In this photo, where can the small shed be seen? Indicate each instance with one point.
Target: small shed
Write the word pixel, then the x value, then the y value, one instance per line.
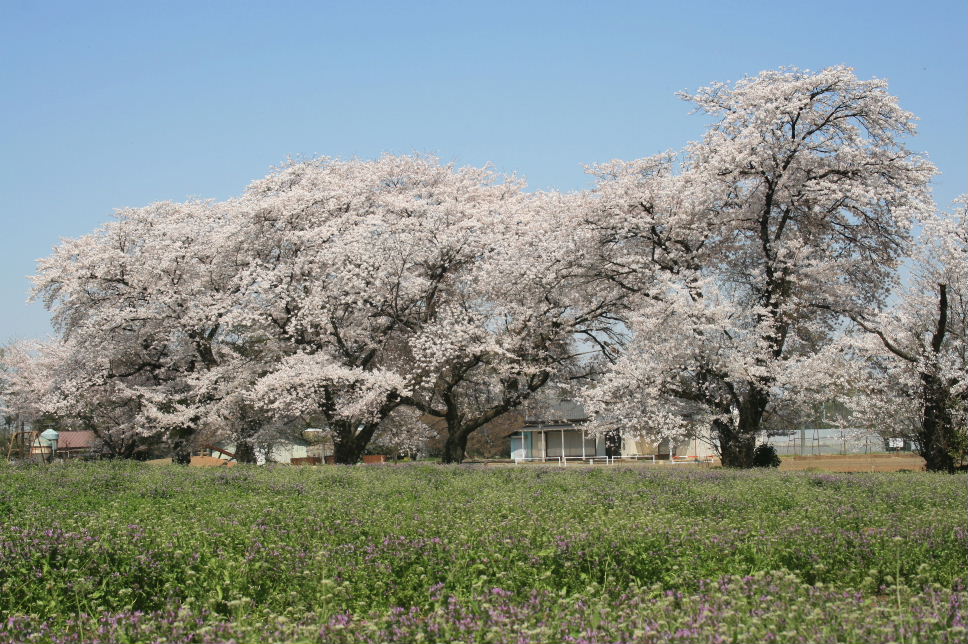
pixel 75 443
pixel 69 444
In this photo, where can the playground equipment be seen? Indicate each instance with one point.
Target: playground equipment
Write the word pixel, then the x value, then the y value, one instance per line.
pixel 21 443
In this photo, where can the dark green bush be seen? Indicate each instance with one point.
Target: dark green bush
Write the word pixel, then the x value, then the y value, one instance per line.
pixel 765 456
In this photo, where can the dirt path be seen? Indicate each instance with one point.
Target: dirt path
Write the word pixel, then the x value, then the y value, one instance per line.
pixel 854 463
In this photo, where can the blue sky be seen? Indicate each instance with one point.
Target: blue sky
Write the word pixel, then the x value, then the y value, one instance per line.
pixel 104 105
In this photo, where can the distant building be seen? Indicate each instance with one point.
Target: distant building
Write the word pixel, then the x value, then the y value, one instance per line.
pixel 284 450
pixel 77 443
pixel 70 444
pixel 560 435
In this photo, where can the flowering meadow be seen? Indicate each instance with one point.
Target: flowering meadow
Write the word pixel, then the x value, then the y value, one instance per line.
pixel 121 552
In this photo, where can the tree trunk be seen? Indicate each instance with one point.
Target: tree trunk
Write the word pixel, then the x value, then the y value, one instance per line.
pixel 245 452
pixel 349 444
pixel 181 445
pixel 736 450
pixel 737 442
pixel 455 447
pixel 346 452
pixel 935 440
pixel 613 444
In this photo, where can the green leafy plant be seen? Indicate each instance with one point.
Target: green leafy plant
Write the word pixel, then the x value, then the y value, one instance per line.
pixel 446 553
pixel 765 456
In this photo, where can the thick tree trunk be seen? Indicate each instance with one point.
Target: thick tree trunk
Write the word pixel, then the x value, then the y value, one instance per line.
pixel 455 447
pixel 349 444
pixel 181 445
pixel 245 452
pixel 347 452
pixel 613 444
pixel 736 449
pixel 935 440
pixel 737 442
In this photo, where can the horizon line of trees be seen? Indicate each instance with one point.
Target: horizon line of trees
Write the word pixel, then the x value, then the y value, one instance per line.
pixel 719 289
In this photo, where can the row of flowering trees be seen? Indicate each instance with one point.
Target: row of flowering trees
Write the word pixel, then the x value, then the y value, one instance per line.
pixel 712 289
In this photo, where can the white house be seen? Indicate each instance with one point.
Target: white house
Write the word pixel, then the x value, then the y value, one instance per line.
pixel 561 437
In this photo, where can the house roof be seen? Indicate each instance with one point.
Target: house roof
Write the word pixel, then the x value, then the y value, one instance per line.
pixel 561 412
pixel 76 440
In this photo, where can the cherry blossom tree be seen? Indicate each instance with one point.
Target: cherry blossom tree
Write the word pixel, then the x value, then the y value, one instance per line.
pixel 515 324
pixel 911 361
pixel 354 265
pixel 309 296
pixel 140 305
pixel 746 249
pixel 404 282
pixel 53 380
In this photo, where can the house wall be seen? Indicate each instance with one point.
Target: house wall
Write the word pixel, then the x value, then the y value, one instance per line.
pixel 285 452
pixel 282 452
pixel 517 447
pixel 692 448
pixel 698 448
pixel 638 447
pixel 549 443
pixel 569 443
pixel 546 442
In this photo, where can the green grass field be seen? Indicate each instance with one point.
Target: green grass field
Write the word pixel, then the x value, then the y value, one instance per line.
pixel 123 552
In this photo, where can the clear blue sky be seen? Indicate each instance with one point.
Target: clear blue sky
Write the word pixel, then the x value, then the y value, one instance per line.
pixel 104 105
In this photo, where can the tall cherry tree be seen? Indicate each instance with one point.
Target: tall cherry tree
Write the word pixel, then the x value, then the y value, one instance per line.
pixel 140 304
pixel 351 263
pixel 913 358
pixel 746 249
pixel 526 314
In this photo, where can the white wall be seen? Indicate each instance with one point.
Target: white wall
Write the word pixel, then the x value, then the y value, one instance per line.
pixel 282 452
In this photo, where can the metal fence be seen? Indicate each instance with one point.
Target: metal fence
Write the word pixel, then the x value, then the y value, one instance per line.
pixel 815 442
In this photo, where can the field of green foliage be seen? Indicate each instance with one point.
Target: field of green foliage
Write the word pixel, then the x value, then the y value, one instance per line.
pixel 122 552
